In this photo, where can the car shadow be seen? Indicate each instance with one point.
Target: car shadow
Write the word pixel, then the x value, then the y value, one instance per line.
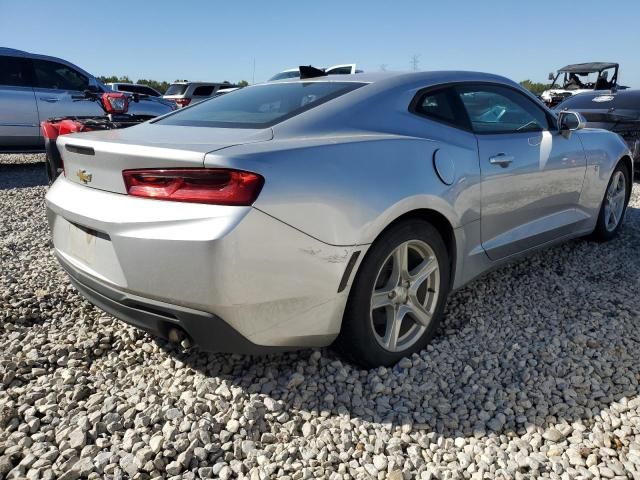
pixel 22 175
pixel 513 358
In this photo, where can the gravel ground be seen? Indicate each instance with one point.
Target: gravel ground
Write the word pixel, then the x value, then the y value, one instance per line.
pixel 534 375
pixel 21 158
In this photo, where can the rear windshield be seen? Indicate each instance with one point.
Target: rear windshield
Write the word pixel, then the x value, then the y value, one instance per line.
pixel 602 101
pixel 260 106
pixel 176 89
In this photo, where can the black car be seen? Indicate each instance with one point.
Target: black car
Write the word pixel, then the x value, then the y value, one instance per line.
pixel 617 111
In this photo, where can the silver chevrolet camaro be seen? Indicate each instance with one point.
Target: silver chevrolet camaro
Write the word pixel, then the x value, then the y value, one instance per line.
pixel 305 212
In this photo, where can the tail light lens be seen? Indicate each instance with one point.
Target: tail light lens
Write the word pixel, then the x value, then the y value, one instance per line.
pixel 49 130
pixel 115 102
pixel 183 102
pixel 197 185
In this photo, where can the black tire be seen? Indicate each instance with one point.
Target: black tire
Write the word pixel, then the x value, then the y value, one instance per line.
pixel 602 232
pixel 357 340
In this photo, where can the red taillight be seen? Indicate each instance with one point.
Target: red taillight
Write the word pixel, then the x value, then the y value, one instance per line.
pixel 49 130
pixel 183 102
pixel 198 185
pixel 115 102
pixel 71 126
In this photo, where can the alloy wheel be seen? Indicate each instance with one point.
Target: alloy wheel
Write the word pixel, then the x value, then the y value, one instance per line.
pixel 614 201
pixel 405 295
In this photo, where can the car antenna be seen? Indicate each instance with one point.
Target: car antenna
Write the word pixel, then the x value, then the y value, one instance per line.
pixel 311 72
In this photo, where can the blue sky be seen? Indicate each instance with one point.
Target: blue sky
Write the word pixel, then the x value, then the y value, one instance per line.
pixel 203 40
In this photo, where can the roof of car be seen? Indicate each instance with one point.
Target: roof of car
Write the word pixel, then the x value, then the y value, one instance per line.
pixel 587 67
pixel 425 77
pixel 184 82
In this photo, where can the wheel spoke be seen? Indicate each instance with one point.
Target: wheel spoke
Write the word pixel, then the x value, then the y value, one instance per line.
pixel 418 313
pixel 401 261
pixel 392 331
pixel 613 216
pixel 423 271
pixel 380 298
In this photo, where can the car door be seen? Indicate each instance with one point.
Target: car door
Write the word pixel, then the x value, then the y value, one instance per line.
pixel 18 112
pixel 531 175
pixel 59 91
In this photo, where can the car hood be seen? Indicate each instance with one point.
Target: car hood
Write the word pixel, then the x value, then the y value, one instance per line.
pixel 104 155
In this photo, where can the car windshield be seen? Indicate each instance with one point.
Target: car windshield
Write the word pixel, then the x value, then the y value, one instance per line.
pixel 260 106
pixel 176 89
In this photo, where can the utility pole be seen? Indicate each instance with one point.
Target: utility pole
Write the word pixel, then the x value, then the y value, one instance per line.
pixel 415 61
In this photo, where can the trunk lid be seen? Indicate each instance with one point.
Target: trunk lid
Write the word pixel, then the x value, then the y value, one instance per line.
pixel 97 159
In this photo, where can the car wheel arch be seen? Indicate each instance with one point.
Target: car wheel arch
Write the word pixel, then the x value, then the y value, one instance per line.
pixel 435 218
pixel 628 163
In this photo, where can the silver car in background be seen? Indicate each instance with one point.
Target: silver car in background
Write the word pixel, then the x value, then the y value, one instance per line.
pixel 334 209
pixel 34 88
pixel 188 93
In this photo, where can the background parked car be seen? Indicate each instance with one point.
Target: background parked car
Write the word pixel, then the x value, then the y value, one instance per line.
pixel 34 88
pixel 134 88
pixel 347 69
pixel 187 93
pixel 618 111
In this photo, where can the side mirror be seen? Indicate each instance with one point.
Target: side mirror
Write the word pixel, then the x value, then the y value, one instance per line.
pixel 551 76
pixel 569 121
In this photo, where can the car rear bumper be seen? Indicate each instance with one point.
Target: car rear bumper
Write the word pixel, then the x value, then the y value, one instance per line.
pixel 194 265
pixel 158 318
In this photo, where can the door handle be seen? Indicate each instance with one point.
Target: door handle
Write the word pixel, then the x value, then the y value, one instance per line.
pixel 50 99
pixel 501 159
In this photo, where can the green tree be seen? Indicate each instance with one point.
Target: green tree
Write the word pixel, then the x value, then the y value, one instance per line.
pixel 155 84
pixel 114 79
pixel 243 83
pixel 534 87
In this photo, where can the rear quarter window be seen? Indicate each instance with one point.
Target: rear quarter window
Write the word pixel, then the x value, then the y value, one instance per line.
pixel 205 91
pixel 14 72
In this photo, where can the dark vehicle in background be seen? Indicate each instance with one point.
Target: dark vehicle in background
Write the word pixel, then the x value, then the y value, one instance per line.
pixel 617 111
pixel 134 88
pixel 579 78
pixel 35 88
pixel 187 93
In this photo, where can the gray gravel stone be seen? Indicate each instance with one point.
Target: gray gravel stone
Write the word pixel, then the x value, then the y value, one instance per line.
pixel 533 374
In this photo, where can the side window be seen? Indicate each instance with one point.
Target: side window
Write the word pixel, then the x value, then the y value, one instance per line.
pixel 14 72
pixel 58 76
pixel 205 91
pixel 339 71
pixel 441 105
pixel 496 109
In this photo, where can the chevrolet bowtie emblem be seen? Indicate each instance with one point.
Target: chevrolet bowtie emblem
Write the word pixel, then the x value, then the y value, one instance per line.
pixel 84 176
